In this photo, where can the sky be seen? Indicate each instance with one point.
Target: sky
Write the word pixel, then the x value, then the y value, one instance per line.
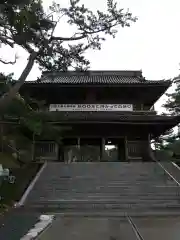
pixel 152 44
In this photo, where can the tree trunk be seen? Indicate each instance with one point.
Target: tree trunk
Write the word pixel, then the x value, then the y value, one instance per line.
pixel 2 143
pixel 7 97
pixel 33 147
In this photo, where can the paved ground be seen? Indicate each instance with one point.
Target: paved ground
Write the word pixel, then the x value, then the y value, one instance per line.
pixel 89 229
pixel 79 228
pixel 159 228
pixel 16 224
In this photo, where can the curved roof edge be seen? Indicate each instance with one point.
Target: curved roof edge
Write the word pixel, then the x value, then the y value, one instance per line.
pixel 97 77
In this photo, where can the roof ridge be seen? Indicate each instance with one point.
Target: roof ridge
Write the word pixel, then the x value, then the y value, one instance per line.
pixel 128 73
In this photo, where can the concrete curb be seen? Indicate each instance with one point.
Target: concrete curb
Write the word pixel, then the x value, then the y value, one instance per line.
pixel 175 165
pixel 44 222
pixel 30 187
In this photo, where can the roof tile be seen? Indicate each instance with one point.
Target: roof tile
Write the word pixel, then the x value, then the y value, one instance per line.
pixel 90 79
pixel 94 77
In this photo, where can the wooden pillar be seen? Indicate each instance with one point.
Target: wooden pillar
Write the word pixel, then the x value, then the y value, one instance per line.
pixel 79 148
pixel 56 150
pixel 102 148
pixel 121 150
pixel 119 153
pixel 126 148
pixel 61 150
pixel 79 142
pixel 59 153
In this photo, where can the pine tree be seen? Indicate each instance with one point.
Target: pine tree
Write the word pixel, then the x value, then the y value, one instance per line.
pixel 172 105
pixel 170 140
pixel 30 27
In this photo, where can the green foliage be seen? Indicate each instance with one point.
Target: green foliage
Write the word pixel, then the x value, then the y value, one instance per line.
pixel 25 125
pixel 34 124
pixel 12 193
pixel 172 105
pixel 163 141
pixel 8 161
pixel 170 142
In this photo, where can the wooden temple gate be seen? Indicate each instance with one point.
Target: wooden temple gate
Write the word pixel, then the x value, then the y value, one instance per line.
pixel 131 150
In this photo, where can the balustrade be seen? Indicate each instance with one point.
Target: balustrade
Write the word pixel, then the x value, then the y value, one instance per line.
pixel 46 151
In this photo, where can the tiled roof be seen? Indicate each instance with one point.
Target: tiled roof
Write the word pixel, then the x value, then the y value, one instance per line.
pixel 94 77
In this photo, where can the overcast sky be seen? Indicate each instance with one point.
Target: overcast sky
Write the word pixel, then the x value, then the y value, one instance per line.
pixel 152 44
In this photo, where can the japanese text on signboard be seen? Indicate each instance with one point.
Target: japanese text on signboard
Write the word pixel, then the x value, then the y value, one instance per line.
pixel 91 107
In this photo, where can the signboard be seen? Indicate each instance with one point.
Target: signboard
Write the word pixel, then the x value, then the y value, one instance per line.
pixel 91 107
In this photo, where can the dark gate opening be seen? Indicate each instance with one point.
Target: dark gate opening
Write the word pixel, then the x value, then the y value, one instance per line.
pixel 93 150
pixel 115 150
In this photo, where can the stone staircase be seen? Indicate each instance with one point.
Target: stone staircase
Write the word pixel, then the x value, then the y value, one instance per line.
pixel 112 186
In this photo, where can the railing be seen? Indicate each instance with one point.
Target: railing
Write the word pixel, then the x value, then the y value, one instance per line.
pixel 46 151
pixel 169 174
pixel 134 150
pixel 153 157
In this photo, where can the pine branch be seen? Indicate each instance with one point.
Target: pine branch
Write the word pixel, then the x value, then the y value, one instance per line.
pixel 9 62
pixel 6 41
pixel 68 39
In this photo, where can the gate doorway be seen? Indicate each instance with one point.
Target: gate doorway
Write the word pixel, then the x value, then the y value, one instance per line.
pixel 114 150
pixel 93 150
pixel 90 150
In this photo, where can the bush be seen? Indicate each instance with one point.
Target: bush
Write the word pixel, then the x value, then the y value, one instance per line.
pixel 11 193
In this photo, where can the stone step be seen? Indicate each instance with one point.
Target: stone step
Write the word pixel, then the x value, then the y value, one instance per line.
pixel 97 189
pixel 113 185
pixel 45 198
pixel 120 192
pixel 79 205
pixel 113 194
pixel 106 198
pixel 112 188
pixel 107 178
pixel 108 182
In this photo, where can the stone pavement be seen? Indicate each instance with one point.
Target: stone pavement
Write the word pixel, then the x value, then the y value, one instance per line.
pixel 167 228
pixel 16 224
pixel 80 228
pixel 88 228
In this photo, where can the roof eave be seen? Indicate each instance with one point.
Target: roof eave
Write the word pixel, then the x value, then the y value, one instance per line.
pixel 165 84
